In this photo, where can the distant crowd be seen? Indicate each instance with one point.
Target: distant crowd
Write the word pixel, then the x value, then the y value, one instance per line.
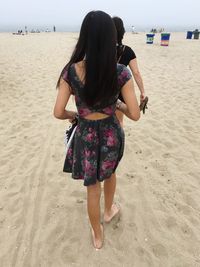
pixel 157 30
pixel 21 32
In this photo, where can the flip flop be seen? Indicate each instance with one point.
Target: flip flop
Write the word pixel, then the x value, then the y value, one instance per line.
pixel 143 104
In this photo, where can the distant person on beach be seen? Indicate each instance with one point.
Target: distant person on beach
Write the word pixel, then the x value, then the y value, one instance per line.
pixel 95 79
pixel 127 57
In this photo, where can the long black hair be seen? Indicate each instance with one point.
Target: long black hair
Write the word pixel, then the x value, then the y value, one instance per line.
pixel 120 34
pixel 97 45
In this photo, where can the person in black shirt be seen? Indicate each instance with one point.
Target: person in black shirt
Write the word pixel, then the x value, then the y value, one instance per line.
pixel 127 57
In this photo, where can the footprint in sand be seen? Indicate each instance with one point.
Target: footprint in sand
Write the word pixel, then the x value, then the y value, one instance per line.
pixel 131 176
pixel 171 222
pixel 190 201
pixel 56 157
pixel 187 230
pixel 144 255
pixel 166 155
pixel 78 194
pixel 186 210
pixel 3 162
pixel 159 251
pixel 194 221
pixel 68 254
pixel 26 124
pixel 158 166
pixel 133 227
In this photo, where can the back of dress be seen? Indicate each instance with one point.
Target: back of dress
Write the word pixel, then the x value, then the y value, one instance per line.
pixel 71 77
pixel 98 145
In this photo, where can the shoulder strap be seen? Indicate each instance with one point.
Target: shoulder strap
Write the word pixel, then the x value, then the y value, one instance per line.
pixel 121 54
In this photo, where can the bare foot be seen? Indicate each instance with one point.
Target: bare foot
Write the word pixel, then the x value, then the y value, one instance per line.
pixel 114 211
pixel 97 242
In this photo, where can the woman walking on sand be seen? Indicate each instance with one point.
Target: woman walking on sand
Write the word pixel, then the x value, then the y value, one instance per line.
pixel 95 79
pixel 127 57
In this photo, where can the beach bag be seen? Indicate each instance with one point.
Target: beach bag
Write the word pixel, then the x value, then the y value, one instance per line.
pixel 69 134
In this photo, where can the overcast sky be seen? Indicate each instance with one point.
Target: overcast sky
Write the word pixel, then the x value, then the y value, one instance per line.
pixel 66 13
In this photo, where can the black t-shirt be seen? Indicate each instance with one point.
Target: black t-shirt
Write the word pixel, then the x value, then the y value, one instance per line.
pixel 127 55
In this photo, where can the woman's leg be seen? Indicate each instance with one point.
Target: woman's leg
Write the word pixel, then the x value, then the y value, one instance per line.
pixel 93 206
pixel 109 191
pixel 120 117
pixel 111 209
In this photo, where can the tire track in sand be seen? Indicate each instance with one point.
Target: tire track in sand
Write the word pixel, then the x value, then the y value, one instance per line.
pixel 32 206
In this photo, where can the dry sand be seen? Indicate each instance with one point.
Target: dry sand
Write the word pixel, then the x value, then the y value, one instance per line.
pixel 43 218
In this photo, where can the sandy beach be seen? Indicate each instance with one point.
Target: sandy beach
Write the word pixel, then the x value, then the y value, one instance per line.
pixel 43 216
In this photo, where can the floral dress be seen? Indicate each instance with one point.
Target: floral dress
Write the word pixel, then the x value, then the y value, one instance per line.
pixel 98 145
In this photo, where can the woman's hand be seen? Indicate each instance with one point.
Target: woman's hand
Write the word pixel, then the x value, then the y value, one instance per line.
pixel 142 96
pixel 73 120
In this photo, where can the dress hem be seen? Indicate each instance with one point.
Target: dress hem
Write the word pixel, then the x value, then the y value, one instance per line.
pixel 91 183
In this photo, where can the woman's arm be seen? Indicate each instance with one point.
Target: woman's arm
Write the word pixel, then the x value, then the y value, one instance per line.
pixel 137 76
pixel 131 108
pixel 62 99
